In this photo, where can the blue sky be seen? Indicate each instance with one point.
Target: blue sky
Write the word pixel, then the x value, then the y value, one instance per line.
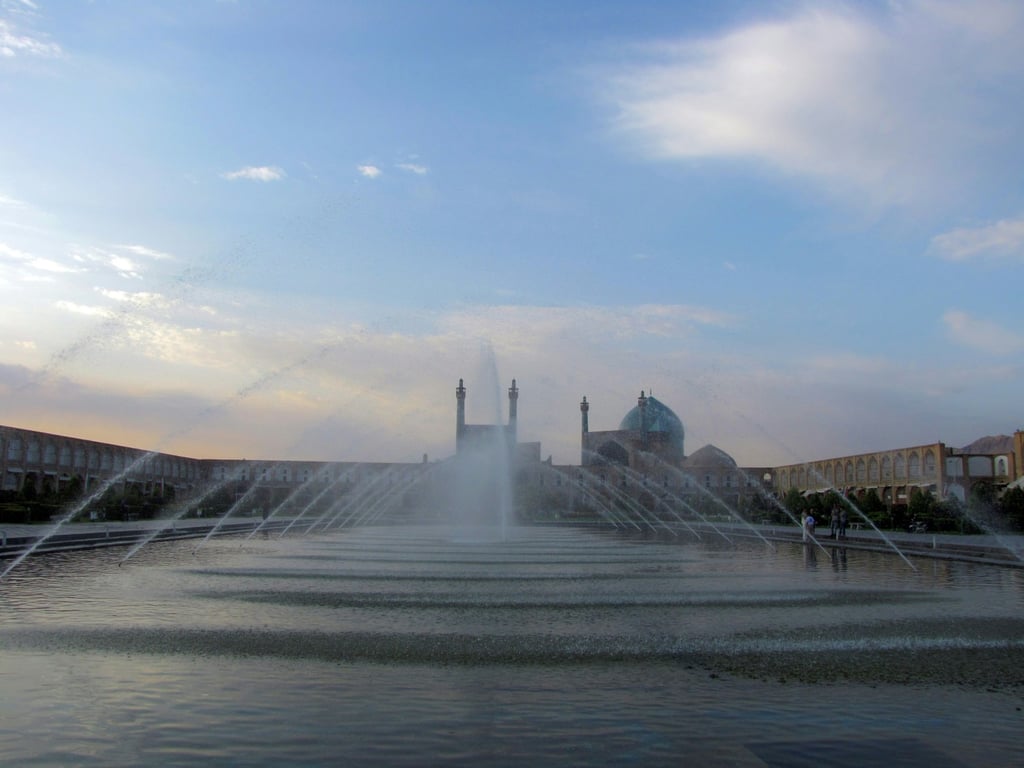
pixel 286 230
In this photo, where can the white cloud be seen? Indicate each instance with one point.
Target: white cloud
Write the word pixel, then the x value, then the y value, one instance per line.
pixel 13 43
pixel 13 254
pixel 1004 238
pixel 369 171
pixel 255 173
pixel 10 202
pixel 122 265
pixel 982 335
pixel 889 107
pixel 83 309
pixel 138 298
pixel 141 250
pixel 48 265
pixel 37 263
pixel 419 170
pixel 125 267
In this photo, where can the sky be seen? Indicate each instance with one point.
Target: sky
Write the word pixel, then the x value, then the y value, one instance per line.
pixel 285 230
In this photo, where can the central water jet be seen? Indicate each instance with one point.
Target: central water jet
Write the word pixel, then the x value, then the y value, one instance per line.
pixel 478 481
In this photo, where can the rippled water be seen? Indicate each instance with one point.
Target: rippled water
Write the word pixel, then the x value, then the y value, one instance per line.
pixel 412 646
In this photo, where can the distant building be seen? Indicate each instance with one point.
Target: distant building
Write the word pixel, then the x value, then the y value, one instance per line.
pixel 646 456
pixel 643 462
pixel 473 438
pixel 894 473
pixel 53 463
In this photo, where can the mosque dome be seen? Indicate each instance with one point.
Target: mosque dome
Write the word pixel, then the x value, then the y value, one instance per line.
pixel 660 418
pixel 710 456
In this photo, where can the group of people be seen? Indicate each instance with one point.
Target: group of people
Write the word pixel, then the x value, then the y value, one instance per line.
pixel 837 524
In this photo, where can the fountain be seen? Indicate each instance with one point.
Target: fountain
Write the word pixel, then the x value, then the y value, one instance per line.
pixel 421 622
pixel 399 644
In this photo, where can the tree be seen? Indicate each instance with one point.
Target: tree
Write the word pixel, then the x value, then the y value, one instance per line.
pixel 983 508
pixel 921 506
pixel 759 507
pixel 1012 507
pixel 982 495
pixel 869 505
pixel 72 490
pixel 795 503
pixel 870 502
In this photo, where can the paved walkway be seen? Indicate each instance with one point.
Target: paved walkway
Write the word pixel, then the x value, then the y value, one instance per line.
pixel 1003 549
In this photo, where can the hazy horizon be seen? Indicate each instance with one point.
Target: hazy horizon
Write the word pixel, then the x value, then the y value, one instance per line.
pixel 251 229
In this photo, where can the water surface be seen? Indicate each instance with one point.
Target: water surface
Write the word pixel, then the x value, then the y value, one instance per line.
pixel 412 646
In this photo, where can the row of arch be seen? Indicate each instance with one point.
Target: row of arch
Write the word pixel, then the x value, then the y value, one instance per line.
pixel 24 453
pixel 599 475
pixel 308 472
pixel 914 466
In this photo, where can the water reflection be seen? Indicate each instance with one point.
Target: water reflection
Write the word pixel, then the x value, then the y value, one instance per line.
pixel 382 645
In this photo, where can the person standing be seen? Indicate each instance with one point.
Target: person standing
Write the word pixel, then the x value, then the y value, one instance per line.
pixel 833 523
pixel 842 523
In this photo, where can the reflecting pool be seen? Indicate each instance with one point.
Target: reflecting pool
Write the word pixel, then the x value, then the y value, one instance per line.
pixel 554 646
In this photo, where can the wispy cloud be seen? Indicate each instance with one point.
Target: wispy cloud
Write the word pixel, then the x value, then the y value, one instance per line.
pixel 255 173
pixel 135 298
pixel 877 105
pixel 142 250
pixel 523 327
pixel 419 170
pixel 123 265
pixel 10 202
pixel 981 335
pixel 1003 239
pixel 369 171
pixel 15 43
pixel 84 309
pixel 32 262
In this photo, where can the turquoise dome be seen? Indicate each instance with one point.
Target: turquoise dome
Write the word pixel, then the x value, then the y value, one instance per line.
pixel 660 418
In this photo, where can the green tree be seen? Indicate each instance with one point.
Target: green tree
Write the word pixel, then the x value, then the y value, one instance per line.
pixel 73 490
pixel 983 494
pixel 795 502
pixel 1012 507
pixel 871 505
pixel 921 507
pixel 760 507
pixel 870 502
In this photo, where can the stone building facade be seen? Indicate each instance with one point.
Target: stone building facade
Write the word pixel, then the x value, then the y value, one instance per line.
pixel 48 462
pixel 894 474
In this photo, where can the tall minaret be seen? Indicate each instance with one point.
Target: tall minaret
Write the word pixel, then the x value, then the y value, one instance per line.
pixel 584 429
pixel 642 404
pixel 460 415
pixel 513 399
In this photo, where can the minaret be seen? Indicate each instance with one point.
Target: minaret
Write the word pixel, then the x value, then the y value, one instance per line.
pixel 584 429
pixel 460 415
pixel 513 399
pixel 642 405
